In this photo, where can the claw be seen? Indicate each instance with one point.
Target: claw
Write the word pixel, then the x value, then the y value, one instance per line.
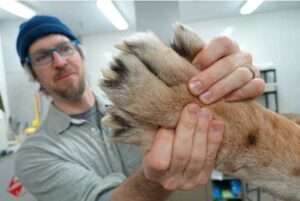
pixel 186 42
pixel 123 47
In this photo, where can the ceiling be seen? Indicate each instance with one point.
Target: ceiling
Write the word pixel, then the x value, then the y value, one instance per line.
pixel 84 17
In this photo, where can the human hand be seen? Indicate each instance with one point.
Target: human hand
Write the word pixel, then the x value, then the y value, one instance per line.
pixel 183 158
pixel 226 72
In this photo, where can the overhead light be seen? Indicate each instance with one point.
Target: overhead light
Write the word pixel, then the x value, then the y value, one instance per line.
pixel 250 6
pixel 112 14
pixel 227 31
pixel 17 8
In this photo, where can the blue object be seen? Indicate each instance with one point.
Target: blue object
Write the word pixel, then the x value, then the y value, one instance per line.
pixel 236 187
pixel 38 27
pixel 217 192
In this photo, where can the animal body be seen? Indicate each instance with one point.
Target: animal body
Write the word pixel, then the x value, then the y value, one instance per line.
pixel 147 84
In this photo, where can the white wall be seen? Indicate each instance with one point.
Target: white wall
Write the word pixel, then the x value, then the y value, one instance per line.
pixel 20 90
pixel 99 51
pixel 3 119
pixel 270 37
pixel 3 89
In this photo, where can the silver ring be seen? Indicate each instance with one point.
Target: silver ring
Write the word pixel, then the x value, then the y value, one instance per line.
pixel 254 71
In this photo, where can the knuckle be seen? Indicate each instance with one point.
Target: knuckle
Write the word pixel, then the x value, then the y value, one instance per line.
pixel 231 63
pixel 227 45
pixel 211 157
pixel 208 78
pixel 156 165
pixel 189 123
pixel 172 183
pixel 179 159
pixel 193 170
pixel 225 41
pixel 203 180
pixel 196 166
pixel 248 57
pixel 219 90
pixel 189 186
pixel 166 185
pixel 258 86
pixel 245 74
pixel 241 94
pixel 198 161
pixel 215 141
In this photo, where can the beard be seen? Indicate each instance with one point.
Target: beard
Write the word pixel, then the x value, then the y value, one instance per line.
pixel 71 90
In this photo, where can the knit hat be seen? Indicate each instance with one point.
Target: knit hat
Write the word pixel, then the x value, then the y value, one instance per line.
pixel 36 28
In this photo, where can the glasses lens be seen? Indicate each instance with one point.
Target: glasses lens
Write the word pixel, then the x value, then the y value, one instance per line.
pixel 44 57
pixel 66 49
pixel 41 58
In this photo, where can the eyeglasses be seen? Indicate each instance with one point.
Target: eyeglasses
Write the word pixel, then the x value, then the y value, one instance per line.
pixel 44 57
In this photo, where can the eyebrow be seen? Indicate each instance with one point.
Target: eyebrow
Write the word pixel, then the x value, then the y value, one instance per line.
pixel 47 49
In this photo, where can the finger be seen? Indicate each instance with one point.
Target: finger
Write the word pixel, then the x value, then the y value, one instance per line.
pixel 199 151
pixel 252 89
pixel 158 159
pixel 233 81
pixel 216 49
pixel 254 70
pixel 215 136
pixel 217 71
pixel 182 145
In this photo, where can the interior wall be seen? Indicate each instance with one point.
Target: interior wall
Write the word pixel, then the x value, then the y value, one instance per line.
pixel 3 89
pixel 99 51
pixel 3 94
pixel 20 90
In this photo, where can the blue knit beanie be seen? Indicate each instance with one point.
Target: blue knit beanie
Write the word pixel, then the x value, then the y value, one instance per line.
pixel 36 28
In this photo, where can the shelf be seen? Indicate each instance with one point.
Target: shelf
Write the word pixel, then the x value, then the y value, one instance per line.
pixel 270 87
pixel 264 70
pixel 219 176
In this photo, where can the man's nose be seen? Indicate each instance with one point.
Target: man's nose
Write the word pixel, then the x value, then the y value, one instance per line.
pixel 58 60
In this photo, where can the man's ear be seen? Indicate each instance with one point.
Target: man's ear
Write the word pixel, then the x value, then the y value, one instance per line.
pixel 33 78
pixel 29 71
pixel 82 51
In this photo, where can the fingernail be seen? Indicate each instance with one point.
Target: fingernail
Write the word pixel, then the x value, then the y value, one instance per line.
pixel 171 184
pixel 193 108
pixel 196 87
pixel 206 97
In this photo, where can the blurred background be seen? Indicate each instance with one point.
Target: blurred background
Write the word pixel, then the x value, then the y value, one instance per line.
pixel 271 33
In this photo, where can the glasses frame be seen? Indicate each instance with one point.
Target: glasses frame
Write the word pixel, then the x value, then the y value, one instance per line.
pixel 75 43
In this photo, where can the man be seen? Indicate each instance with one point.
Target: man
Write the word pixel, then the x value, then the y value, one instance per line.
pixel 71 158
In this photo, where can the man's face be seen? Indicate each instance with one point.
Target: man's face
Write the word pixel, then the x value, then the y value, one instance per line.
pixel 64 76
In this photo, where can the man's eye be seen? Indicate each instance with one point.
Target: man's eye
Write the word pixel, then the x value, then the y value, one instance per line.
pixel 40 57
pixel 65 48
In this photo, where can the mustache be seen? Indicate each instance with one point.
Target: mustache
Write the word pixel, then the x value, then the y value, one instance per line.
pixel 61 72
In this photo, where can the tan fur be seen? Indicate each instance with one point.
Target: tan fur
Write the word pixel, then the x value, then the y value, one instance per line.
pixel 148 89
